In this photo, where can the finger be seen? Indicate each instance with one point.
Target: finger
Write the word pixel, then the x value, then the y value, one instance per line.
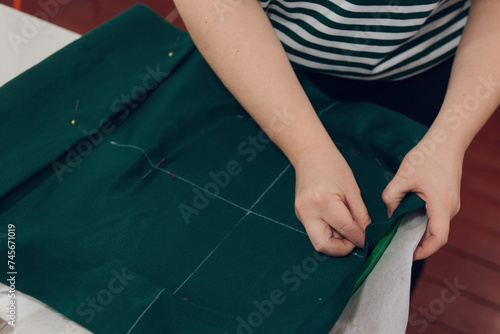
pixel 324 241
pixel 437 231
pixel 337 234
pixel 419 249
pixel 338 216
pixel 358 210
pixel 393 194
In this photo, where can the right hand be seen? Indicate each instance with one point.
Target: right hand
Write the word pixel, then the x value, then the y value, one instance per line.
pixel 328 201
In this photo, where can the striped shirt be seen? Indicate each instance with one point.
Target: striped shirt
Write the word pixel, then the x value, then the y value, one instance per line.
pixel 368 39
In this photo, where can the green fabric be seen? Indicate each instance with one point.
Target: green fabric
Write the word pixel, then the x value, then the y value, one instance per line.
pixel 375 255
pixel 106 244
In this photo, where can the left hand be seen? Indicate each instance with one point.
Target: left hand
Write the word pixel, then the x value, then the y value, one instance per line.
pixel 433 171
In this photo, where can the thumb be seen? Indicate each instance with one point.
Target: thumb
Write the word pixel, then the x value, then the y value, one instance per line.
pixel 438 228
pixel 393 194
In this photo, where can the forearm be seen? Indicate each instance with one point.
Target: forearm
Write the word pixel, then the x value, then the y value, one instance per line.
pixel 239 43
pixel 474 89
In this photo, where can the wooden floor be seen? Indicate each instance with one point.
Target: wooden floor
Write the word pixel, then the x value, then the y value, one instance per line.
pixel 459 291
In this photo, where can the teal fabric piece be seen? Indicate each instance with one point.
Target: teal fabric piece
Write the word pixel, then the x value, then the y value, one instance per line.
pixel 209 243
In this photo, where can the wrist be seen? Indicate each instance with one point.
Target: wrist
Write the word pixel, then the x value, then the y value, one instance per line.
pixel 314 156
pixel 449 138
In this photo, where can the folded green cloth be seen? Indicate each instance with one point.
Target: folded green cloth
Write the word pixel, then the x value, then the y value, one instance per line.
pixel 146 200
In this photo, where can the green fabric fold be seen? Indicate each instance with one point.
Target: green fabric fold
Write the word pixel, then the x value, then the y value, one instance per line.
pixel 209 243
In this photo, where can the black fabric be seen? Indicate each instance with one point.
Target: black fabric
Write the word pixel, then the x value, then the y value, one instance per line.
pixel 418 97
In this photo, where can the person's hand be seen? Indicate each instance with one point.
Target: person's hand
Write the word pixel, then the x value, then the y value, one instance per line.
pixel 328 201
pixel 433 171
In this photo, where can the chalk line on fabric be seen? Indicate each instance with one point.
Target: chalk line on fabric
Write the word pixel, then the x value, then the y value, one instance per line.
pixel 144 312
pixel 162 160
pixel 325 109
pixel 201 188
pixel 238 223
